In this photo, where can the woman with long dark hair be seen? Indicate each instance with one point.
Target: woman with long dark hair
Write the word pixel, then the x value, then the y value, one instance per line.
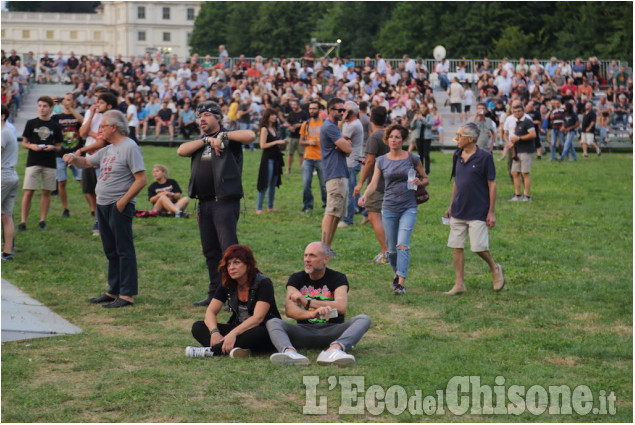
pixel 271 162
pixel 249 295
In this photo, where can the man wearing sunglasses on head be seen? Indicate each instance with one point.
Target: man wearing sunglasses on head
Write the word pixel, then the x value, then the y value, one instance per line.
pixel 334 148
pixel 216 181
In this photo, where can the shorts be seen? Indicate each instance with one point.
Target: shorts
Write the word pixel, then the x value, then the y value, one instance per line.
pixel 466 108
pixel 374 202
pixel 9 192
pixel 151 121
pixel 294 145
pixel 479 235
pixel 455 107
pixel 61 175
pixel 587 138
pixel 89 181
pixel 32 178
pixel 523 165
pixel 336 197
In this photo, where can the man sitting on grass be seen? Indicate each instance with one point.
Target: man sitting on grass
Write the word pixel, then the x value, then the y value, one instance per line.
pixel 314 296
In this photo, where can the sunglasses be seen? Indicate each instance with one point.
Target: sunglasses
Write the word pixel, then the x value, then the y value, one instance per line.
pixel 340 110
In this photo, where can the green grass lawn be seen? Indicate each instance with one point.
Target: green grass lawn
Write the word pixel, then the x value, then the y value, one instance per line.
pixel 564 317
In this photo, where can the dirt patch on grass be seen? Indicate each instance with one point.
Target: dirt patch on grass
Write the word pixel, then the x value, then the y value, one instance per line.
pixel 563 361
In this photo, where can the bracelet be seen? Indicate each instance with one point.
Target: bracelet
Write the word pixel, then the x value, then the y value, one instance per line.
pixel 213 331
pixel 308 304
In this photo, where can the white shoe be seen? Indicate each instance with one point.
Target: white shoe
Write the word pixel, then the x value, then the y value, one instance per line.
pixel 335 357
pixel 289 357
pixel 342 225
pixel 240 353
pixel 199 352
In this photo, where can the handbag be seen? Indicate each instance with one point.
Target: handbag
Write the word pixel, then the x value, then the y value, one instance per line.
pixel 421 192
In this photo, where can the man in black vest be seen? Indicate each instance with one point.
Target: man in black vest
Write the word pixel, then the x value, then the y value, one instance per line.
pixel 217 163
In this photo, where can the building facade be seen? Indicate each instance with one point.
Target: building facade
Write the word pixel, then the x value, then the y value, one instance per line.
pixel 118 27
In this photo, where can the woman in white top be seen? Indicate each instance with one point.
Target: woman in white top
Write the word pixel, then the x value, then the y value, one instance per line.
pixel 455 92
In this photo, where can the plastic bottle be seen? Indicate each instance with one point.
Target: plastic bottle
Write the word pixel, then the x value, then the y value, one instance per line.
pixel 411 175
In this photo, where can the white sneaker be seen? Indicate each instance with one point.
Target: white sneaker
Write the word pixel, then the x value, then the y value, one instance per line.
pixel 335 357
pixel 289 357
pixel 199 351
pixel 240 353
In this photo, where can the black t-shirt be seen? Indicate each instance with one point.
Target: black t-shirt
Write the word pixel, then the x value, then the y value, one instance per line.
pixel 263 293
pixel 587 119
pixel 570 119
pixel 524 126
pixel 70 133
pixel 170 185
pixel 47 62
pixel 72 63
pixel 41 132
pixel 322 289
pixel 204 178
pixel 165 114
pixel 295 118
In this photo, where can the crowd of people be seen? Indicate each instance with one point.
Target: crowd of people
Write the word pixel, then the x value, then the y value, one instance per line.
pixel 341 118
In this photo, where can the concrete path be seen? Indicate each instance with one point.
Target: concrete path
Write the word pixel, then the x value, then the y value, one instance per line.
pixel 29 102
pixel 26 318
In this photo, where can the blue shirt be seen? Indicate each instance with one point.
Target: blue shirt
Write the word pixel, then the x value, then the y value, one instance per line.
pixel 333 160
pixel 471 198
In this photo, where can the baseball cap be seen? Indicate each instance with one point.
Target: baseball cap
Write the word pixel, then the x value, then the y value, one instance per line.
pixel 211 107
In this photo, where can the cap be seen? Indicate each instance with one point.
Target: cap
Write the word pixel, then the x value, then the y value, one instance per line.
pixel 211 107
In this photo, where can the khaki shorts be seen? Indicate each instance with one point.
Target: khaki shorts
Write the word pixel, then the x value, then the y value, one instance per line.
pixel 523 165
pixel 9 192
pixel 336 197
pixel 479 235
pixel 32 178
pixel 587 138
pixel 374 202
pixel 295 146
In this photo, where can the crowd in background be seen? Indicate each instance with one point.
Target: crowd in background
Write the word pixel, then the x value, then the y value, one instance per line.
pixel 162 92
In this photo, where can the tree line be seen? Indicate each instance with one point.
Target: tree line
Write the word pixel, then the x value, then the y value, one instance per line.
pixel 470 29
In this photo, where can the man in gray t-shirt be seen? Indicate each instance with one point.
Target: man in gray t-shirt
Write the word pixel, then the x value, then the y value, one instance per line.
pixel 352 130
pixel 121 178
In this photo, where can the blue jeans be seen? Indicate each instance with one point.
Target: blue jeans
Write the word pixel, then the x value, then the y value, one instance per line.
pixel 398 227
pixel 568 146
pixel 352 202
pixel 443 80
pixel 308 165
pixel 555 134
pixel 115 229
pixel 271 187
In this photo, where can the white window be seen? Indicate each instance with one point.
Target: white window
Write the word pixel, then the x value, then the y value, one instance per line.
pixel 190 14
pixel 141 12
pixel 141 36
pixel 166 13
pixel 166 36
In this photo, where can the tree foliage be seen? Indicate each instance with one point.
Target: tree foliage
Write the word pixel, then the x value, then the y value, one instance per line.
pixel 471 29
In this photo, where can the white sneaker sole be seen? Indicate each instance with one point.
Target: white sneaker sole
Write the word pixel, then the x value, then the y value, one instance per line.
pixel 343 362
pixel 240 353
pixel 280 358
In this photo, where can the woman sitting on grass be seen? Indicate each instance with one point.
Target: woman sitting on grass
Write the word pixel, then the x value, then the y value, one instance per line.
pixel 249 295
pixel 165 194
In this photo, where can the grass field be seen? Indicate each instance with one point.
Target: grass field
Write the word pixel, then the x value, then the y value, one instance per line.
pixel 564 317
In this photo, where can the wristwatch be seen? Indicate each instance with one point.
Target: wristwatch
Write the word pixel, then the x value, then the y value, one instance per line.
pixel 213 331
pixel 223 139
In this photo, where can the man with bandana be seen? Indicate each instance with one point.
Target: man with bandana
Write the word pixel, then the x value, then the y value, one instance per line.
pixel 216 167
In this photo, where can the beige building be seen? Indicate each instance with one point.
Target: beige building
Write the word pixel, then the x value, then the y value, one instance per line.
pixel 129 28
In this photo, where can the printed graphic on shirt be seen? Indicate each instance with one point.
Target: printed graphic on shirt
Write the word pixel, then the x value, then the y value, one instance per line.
pixel 323 294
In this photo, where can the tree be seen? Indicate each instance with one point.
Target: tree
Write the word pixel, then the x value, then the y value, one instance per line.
pixel 513 43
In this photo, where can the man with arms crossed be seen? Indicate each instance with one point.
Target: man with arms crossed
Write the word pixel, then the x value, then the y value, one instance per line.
pixel 313 296
pixel 217 163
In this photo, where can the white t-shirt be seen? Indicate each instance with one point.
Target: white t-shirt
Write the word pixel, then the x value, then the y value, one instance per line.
pixel 134 120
